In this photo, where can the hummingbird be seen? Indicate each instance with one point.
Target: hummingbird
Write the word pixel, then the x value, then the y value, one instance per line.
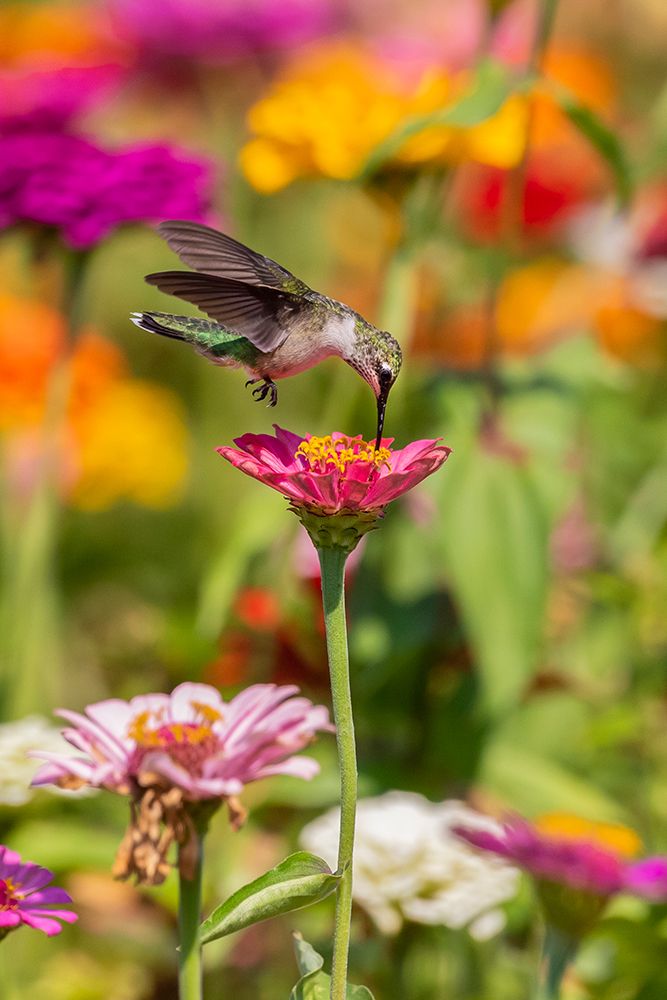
pixel 263 318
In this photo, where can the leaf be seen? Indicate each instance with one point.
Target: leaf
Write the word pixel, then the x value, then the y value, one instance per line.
pixel 298 881
pixel 603 140
pixel 530 783
pixel 314 983
pixel 494 538
pixel 490 89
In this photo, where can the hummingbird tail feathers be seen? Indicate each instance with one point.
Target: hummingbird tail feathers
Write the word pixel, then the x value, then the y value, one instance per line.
pixel 149 321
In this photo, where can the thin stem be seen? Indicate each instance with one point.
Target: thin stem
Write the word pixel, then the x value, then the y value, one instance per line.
pixel 558 950
pixel 332 562
pixel 511 208
pixel 189 916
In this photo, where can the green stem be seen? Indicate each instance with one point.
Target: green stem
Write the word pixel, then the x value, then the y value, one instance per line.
pixel 332 563
pixel 558 950
pixel 189 917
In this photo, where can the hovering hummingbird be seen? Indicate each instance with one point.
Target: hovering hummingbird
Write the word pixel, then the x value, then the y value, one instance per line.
pixel 263 318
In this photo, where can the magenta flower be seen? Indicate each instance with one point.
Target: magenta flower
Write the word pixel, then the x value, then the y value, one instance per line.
pixel 52 177
pixel 589 858
pixel 179 756
pixel 26 897
pixel 51 97
pixel 220 30
pixel 334 474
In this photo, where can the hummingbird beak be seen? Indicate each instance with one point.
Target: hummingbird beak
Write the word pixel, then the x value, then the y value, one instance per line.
pixel 382 406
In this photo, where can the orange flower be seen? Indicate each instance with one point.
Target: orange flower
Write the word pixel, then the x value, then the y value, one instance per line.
pixel 627 333
pixel 541 301
pixel 32 337
pixel 537 304
pixel 52 34
pixel 117 437
pixel 95 363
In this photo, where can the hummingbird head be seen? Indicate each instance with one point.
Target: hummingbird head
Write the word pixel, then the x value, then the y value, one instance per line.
pixel 378 360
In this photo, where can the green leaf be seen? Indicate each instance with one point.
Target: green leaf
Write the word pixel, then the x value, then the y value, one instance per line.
pixel 299 880
pixel 490 89
pixel 315 984
pixel 602 138
pixel 530 783
pixel 494 539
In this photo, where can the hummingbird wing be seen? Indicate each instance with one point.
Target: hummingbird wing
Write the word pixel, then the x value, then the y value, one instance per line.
pixel 211 252
pixel 259 314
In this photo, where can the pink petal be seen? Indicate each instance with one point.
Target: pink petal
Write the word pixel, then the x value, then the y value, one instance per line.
pixel 60 766
pixel 163 765
pixel 95 734
pixel 29 877
pixel 403 458
pixel 9 918
pixel 183 697
pixel 248 708
pixel 52 894
pixel 156 705
pixel 41 923
pixel 114 716
pixel 288 438
pixel 294 767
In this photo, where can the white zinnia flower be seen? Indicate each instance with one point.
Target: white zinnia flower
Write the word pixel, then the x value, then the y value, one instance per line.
pixel 17 769
pixel 408 865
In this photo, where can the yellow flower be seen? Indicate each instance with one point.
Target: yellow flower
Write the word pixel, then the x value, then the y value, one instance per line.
pixel 131 445
pixel 613 836
pixel 334 105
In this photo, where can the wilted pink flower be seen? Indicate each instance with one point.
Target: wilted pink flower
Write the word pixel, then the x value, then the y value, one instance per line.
pixel 174 754
pixel 219 30
pixel 191 739
pixel 26 897
pixel 587 860
pixel 336 473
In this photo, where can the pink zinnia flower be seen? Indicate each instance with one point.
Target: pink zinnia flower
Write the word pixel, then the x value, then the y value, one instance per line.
pixel 220 30
pixel 180 755
pixel 337 473
pixel 589 862
pixel 26 897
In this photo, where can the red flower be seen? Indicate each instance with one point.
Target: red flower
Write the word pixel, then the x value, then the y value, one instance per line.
pixel 336 473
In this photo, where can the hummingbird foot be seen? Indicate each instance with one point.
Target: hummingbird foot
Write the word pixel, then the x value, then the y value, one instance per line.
pixel 267 388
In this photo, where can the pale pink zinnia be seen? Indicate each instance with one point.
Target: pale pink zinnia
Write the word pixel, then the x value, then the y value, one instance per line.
pixel 179 756
pixel 27 898
pixel 336 473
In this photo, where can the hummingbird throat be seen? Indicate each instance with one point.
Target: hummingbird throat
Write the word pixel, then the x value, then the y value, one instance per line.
pixel 324 454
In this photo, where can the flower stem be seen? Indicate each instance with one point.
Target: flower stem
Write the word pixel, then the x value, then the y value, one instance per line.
pixel 332 563
pixel 189 916
pixel 558 950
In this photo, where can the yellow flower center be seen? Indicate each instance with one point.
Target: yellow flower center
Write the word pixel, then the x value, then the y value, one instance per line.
pixel 613 836
pixel 324 454
pixel 148 730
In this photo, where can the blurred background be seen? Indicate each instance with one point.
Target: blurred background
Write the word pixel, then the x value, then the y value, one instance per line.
pixel 491 188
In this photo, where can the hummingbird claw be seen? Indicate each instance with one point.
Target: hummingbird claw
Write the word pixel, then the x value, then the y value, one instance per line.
pixel 267 388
